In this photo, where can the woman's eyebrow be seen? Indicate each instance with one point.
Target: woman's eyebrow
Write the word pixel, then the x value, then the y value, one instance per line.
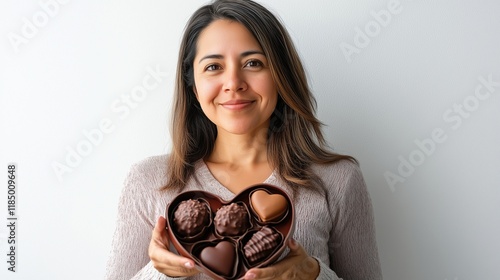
pixel 211 56
pixel 247 53
pixel 219 56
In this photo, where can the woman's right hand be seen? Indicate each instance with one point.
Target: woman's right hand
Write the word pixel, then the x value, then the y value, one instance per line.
pixel 165 261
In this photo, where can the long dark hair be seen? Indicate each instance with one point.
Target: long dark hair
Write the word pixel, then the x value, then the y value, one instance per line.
pixel 294 138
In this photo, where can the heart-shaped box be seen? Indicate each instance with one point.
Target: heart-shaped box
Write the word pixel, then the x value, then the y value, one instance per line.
pixel 223 256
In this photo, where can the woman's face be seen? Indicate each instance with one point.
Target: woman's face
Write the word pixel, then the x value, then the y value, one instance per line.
pixel 233 82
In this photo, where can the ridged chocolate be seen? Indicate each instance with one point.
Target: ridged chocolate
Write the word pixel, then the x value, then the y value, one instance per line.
pixel 232 220
pixel 191 217
pixel 261 244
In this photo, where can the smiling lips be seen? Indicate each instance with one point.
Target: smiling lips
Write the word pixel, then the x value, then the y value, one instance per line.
pixel 237 104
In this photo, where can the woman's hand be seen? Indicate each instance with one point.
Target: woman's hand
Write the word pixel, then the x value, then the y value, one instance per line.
pixel 165 261
pixel 296 265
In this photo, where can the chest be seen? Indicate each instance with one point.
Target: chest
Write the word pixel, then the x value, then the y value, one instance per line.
pixel 236 179
pixel 313 222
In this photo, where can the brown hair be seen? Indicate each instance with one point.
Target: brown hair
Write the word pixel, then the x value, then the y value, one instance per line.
pixel 294 138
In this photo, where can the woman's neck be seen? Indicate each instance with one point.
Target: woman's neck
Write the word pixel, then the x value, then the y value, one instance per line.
pixel 240 150
pixel 239 161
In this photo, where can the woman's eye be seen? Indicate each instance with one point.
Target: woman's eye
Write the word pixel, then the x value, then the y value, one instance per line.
pixel 212 67
pixel 254 63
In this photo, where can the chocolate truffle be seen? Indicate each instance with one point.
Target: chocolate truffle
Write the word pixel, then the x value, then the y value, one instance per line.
pixel 221 258
pixel 191 217
pixel 269 207
pixel 261 244
pixel 231 220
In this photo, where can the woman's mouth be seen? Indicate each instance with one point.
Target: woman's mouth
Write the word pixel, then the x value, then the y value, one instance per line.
pixel 237 104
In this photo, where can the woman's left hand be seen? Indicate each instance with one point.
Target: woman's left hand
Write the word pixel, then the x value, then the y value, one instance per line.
pixel 296 265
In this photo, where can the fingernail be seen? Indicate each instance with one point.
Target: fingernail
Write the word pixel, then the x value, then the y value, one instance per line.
pixel 249 276
pixel 293 242
pixel 188 265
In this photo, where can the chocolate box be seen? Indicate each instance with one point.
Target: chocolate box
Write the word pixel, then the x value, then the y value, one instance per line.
pixel 223 247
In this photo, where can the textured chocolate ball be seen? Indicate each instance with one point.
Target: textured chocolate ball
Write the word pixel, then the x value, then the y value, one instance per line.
pixel 261 244
pixel 191 217
pixel 232 220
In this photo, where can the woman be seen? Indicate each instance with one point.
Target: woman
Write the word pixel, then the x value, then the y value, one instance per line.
pixel 243 114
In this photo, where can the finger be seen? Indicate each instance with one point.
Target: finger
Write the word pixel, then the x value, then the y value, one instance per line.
pixel 274 271
pixel 295 248
pixel 267 273
pixel 175 268
pixel 306 265
pixel 292 244
pixel 159 232
pixel 160 225
pixel 250 275
pixel 164 260
pixel 168 261
pixel 296 264
pixel 307 268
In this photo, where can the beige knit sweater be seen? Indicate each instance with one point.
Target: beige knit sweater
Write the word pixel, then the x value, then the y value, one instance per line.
pixel 340 233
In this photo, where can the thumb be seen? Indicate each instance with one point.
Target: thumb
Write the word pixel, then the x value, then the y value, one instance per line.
pixel 295 248
pixel 293 245
pixel 159 232
pixel 160 225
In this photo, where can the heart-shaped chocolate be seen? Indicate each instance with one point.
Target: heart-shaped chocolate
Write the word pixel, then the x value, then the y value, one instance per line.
pixel 269 207
pixel 221 255
pixel 220 258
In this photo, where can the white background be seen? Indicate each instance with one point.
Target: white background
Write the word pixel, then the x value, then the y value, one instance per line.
pixel 442 222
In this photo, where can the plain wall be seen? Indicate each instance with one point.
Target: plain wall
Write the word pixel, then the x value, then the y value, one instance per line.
pixel 410 88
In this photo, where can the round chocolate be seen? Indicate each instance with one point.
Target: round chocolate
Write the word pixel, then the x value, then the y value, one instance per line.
pixel 191 217
pixel 261 244
pixel 232 220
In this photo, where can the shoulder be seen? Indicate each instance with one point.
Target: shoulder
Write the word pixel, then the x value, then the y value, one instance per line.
pixel 341 177
pixel 150 165
pixel 142 189
pixel 147 174
pixel 151 168
pixel 341 170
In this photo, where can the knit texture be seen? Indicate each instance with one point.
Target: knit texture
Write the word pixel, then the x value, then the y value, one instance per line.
pixel 337 228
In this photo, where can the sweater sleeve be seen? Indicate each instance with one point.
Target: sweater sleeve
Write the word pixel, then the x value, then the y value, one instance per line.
pixel 137 211
pixel 352 245
pixel 325 272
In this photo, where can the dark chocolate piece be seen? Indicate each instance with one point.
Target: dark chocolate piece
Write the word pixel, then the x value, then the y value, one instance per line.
pixel 232 220
pixel 191 217
pixel 262 243
pixel 221 258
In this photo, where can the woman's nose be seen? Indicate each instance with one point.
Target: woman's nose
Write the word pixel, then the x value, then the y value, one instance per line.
pixel 234 81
